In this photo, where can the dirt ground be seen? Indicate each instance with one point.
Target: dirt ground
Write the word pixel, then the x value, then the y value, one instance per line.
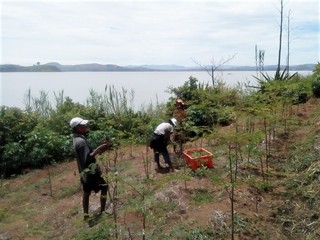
pixel 32 208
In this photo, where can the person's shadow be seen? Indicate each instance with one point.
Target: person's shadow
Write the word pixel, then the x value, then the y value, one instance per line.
pixel 92 221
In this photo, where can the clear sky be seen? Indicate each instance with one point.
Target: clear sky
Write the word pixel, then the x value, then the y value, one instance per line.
pixel 179 32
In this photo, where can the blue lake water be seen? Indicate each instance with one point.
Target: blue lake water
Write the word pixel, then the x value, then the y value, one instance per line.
pixel 148 87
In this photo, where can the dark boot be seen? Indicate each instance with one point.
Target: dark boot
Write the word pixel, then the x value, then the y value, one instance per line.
pixel 171 167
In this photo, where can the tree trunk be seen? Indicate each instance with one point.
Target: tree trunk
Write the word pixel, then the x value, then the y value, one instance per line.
pixel 288 49
pixel 277 76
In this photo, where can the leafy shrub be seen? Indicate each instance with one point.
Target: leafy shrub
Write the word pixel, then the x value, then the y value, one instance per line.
pixel 297 92
pixel 199 116
pixel 96 138
pixel 224 116
pixel 45 147
pixel 316 86
pixel 200 172
pixel 13 159
pixel 316 69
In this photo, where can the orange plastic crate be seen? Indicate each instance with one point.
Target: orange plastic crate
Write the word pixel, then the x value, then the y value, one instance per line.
pixel 198 157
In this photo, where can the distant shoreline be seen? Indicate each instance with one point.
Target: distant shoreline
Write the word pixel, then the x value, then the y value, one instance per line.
pixel 56 67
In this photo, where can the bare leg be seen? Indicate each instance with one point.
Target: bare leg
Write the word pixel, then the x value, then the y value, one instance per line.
pixel 103 200
pixel 85 204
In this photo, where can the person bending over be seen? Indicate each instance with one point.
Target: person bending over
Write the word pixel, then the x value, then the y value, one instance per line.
pixel 160 140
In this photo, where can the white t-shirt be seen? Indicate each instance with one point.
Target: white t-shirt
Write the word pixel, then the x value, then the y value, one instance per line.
pixel 163 128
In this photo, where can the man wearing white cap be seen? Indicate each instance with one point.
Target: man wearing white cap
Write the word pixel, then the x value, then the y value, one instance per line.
pixel 85 156
pixel 160 140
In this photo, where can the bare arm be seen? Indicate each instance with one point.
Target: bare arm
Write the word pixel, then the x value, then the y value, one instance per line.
pixel 102 148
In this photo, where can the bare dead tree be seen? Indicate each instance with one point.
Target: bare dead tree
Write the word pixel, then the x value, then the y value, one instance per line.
pixel 261 60
pixel 214 67
pixel 256 57
pixel 288 41
pixel 277 76
pixel 259 57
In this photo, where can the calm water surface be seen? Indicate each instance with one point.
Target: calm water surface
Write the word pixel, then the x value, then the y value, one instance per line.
pixel 149 87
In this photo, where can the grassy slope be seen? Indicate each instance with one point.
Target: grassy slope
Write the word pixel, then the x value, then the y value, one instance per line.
pixel 286 206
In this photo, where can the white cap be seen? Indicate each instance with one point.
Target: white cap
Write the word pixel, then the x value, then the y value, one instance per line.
pixel 174 121
pixel 76 121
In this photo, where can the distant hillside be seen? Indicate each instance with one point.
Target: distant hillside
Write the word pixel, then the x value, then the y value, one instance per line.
pixel 301 67
pixel 95 67
pixel 34 68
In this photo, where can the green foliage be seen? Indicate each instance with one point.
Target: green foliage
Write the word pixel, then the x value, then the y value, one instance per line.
pixel 284 76
pixel 66 110
pixel 188 91
pixel 298 92
pixel 100 233
pixel 259 184
pixel 45 147
pixel 15 124
pixel 14 159
pixel 96 138
pixel 207 106
pixel 200 172
pixel 41 134
pixel 288 89
pixel 316 70
pixel 316 86
pixel 199 234
pixel 3 214
pixel 240 223
pixel 201 196
pixel 189 232
pixel 68 191
pixel 197 114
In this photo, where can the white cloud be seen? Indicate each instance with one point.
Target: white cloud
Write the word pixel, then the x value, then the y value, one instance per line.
pixel 154 32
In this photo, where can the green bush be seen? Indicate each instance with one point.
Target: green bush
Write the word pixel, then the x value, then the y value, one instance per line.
pixel 96 138
pixel 297 92
pixel 14 159
pixel 316 86
pixel 199 115
pixel 44 147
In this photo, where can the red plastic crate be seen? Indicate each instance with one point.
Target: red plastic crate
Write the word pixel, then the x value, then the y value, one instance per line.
pixel 203 158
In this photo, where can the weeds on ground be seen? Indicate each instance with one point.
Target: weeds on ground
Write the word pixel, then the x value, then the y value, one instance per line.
pixel 68 191
pixel 201 196
pixel 102 232
pixel 3 214
pixel 185 231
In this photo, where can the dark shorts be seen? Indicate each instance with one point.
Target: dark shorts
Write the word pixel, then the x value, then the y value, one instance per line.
pixel 96 185
pixel 158 143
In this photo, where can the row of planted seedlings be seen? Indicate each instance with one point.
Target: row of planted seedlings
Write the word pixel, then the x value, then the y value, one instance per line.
pixel 247 144
pixel 136 210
